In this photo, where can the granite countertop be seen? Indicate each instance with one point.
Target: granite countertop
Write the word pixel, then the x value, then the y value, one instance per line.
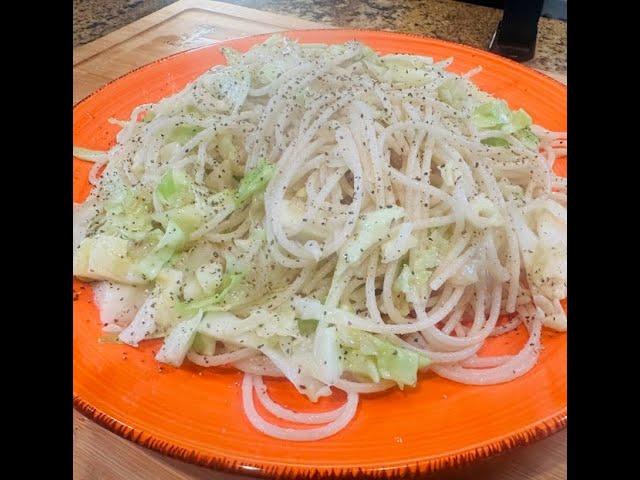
pixel 446 19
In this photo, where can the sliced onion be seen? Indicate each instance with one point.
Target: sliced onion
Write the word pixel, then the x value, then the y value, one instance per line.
pixel 221 359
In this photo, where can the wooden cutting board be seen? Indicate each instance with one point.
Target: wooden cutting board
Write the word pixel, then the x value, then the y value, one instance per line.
pixel 102 455
pixel 177 27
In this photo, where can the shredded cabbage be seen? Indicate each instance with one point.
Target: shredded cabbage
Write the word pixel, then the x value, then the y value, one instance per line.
pixel 178 342
pixel 254 181
pixel 495 115
pixel 372 228
pixel 391 362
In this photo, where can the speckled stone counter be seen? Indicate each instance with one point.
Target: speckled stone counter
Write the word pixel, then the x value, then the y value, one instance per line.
pixel 446 19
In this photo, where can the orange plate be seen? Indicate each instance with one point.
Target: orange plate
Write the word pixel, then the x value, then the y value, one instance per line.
pixel 195 414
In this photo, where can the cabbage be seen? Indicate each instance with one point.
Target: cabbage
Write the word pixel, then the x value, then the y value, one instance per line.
pixel 203 252
pixel 398 72
pixel 261 328
pixel 117 302
pixel 166 294
pixel 230 281
pixel 280 323
pixel 398 246
pixel 550 257
pixel 307 327
pixel 495 115
pixel 528 138
pixel 399 59
pixel 495 142
pixel 173 237
pixel 219 206
pixel 300 368
pixel 174 188
pixel 186 210
pixel 229 152
pixel 435 247
pixel 399 364
pixel 204 344
pixel 209 276
pixel 326 352
pixel 254 181
pixel 188 217
pixel 104 257
pixel 213 209
pixel 83 214
pixel 453 92
pixel 172 240
pixel 142 325
pixel 183 133
pixel 258 329
pixel 519 120
pixel 403 280
pixel 227 164
pixel 526 236
pixel 191 288
pixel 268 70
pixel 177 343
pixel 158 313
pixel 149 266
pixel 424 260
pixel 414 276
pixel 125 214
pixel 392 362
pixel 222 325
pixel 357 363
pixel 544 252
pixel 370 229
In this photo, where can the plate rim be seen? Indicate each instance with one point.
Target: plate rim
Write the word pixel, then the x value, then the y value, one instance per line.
pixel 525 436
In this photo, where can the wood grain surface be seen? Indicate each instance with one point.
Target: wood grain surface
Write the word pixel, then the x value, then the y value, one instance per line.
pixel 101 455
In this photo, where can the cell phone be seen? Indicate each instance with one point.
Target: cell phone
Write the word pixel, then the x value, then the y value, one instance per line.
pixel 516 34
